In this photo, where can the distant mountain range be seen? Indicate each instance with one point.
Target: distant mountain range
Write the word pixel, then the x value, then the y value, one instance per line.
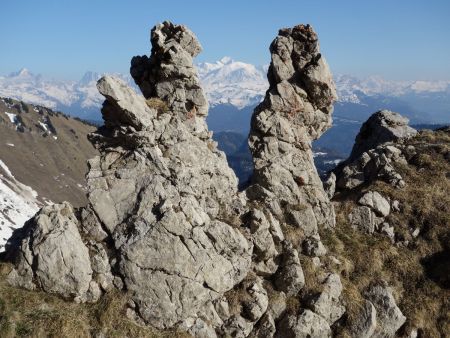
pixel 239 86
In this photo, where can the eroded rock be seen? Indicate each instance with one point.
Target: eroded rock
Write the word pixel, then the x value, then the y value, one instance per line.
pixel 296 110
pixel 382 127
pixel 328 303
pixel 305 325
pixel 389 316
pixel 49 254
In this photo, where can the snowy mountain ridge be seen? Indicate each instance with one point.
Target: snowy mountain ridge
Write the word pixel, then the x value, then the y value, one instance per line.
pixel 225 82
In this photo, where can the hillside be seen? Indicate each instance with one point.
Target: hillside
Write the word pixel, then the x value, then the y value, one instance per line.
pixel 408 246
pixel 43 160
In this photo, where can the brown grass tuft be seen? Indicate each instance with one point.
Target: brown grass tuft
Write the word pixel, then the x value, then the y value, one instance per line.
pixel 158 104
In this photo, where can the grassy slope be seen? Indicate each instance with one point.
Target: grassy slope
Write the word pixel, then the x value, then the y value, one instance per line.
pixel 38 314
pixel 420 271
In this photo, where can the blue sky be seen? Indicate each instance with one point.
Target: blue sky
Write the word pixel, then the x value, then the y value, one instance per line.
pixel 63 39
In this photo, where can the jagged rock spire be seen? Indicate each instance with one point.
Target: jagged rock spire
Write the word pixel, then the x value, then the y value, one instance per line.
pixel 297 109
pixel 169 73
pixel 158 192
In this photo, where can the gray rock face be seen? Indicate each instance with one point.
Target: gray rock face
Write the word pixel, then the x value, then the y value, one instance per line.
pixel 52 256
pixel 305 325
pixel 383 126
pixel 160 202
pixel 296 110
pixel 328 303
pixel 389 316
pixel 366 322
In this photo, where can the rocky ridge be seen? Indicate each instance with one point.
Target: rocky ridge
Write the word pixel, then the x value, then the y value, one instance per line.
pixel 166 224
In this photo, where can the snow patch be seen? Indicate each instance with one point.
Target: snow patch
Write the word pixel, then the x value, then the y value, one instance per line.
pixel 18 203
pixel 43 125
pixel 12 117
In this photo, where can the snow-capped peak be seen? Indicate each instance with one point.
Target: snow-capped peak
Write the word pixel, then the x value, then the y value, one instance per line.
pixel 88 78
pixel 24 72
pixel 234 82
pixel 226 59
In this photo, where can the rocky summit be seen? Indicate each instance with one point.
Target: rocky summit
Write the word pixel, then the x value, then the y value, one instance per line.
pixel 167 229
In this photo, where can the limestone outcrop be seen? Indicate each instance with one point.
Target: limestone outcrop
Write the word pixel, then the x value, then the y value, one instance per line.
pixel 169 72
pixel 382 127
pixel 166 223
pixel 296 110
pixel 157 200
pixel 379 315
pixel 378 148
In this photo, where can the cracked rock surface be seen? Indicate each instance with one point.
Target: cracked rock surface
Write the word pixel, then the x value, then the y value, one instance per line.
pixel 49 254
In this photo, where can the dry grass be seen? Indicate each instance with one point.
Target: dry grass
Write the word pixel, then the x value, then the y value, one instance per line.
pixel 239 295
pixel 158 104
pixel 292 234
pixel 423 297
pixel 37 314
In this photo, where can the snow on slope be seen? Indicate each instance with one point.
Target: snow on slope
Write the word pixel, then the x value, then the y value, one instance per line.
pixel 18 203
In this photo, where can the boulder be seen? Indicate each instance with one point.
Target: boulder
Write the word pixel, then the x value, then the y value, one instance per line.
pixel 237 326
pixel 266 328
pixel 382 127
pixel 123 106
pixel 363 219
pixel 305 325
pixel 376 202
pixel 389 316
pixel 312 246
pixel 289 277
pixel 329 185
pixel 364 325
pixel 258 303
pixel 49 254
pixel 328 303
